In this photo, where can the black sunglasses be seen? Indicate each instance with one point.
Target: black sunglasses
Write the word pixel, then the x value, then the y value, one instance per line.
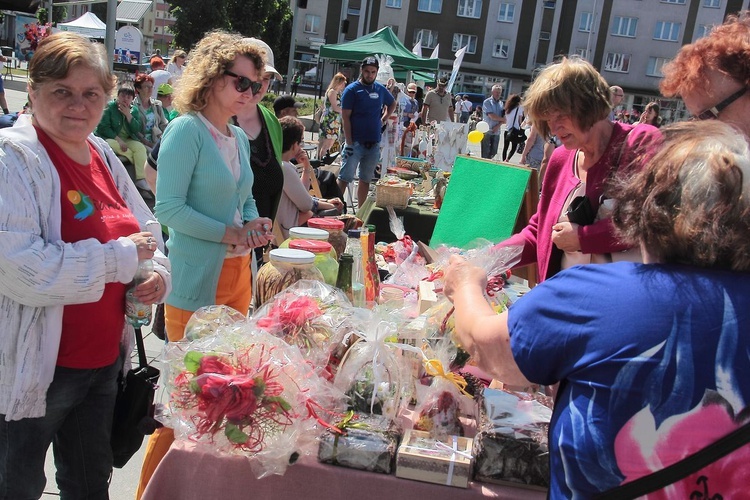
pixel 713 113
pixel 243 83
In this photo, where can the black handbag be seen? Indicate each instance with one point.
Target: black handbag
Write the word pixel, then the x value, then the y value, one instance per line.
pixel 580 211
pixel 134 408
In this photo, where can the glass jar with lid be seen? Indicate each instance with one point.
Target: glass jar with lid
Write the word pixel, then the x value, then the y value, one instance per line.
pixel 285 267
pixel 307 233
pixel 335 228
pixel 323 260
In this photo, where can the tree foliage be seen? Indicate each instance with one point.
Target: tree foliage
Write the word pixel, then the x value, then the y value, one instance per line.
pixel 269 20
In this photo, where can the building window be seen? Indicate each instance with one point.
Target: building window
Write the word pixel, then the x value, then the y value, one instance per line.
pixel 544 35
pixel 667 31
pixel 394 4
pixel 587 19
pixel 500 48
pixel 506 13
pixel 702 30
pixel 470 8
pixel 312 23
pixel 429 38
pixel 624 26
pixel 619 63
pixel 460 40
pixel 582 52
pixel 549 4
pixel 679 2
pixel 434 6
pixel 654 66
pixel 352 11
pixel 712 4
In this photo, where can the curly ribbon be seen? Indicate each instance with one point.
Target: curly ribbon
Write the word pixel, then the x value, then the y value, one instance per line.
pixel 435 368
pixel 349 422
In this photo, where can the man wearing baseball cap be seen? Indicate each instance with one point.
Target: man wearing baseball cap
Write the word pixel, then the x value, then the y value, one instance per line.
pixel 365 107
pixel 438 103
pixel 411 109
pixel 286 105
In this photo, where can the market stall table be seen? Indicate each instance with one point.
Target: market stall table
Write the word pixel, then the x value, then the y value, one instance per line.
pixel 187 473
pixel 419 222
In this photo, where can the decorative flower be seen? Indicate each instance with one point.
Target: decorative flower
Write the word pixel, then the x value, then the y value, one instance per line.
pixel 291 317
pixel 35 33
pixel 641 448
pixel 234 394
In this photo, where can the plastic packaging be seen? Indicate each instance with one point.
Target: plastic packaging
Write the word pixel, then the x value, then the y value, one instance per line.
pixel 286 267
pixel 371 373
pixel 335 228
pixel 241 391
pixel 207 319
pixel 314 317
pixel 327 265
pixel 137 313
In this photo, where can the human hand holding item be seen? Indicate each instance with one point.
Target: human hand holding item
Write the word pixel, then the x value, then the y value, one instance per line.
pixel 258 232
pixel 460 273
pixel 145 244
pixel 565 237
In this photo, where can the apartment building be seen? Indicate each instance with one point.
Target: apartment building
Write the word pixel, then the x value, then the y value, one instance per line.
pixel 508 40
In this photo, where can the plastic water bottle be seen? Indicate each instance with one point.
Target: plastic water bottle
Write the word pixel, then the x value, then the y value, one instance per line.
pixel 137 313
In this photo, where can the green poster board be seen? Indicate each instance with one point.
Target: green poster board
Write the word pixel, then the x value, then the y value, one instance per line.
pixel 482 200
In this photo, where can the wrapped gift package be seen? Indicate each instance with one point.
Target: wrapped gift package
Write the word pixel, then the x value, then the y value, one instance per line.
pixel 445 461
pixel 511 441
pixel 370 444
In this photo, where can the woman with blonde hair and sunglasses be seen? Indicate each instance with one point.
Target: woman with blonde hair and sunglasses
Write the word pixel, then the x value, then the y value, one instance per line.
pixel 205 192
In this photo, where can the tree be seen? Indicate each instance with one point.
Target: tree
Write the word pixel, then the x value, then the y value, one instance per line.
pixel 59 14
pixel 269 20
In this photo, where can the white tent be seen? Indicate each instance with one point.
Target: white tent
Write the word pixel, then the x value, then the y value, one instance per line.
pixel 87 25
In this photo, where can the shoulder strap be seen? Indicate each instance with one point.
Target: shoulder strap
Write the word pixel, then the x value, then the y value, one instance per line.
pixel 681 469
pixel 142 361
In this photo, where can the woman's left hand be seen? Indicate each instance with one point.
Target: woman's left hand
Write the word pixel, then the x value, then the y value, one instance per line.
pixel 565 236
pixel 151 290
pixel 460 273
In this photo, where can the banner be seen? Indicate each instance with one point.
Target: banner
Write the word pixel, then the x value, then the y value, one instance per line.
pixel 435 52
pixel 456 64
pixel 23 45
pixel 417 50
pixel 128 42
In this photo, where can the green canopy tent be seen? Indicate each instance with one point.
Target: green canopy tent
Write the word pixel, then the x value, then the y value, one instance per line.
pixel 383 41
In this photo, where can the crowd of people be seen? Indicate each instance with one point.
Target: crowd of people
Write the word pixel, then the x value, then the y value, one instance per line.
pixel 647 350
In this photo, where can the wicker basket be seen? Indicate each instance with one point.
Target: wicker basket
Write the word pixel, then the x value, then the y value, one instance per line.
pixel 394 196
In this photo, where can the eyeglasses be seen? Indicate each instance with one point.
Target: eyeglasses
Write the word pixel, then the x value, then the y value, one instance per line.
pixel 713 113
pixel 411 91
pixel 243 83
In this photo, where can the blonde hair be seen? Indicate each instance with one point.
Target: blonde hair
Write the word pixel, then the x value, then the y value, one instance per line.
pixel 691 202
pixel 336 80
pixel 214 54
pixel 63 51
pixel 572 87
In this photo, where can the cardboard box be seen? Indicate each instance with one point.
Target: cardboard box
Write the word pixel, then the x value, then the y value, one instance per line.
pixel 447 461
